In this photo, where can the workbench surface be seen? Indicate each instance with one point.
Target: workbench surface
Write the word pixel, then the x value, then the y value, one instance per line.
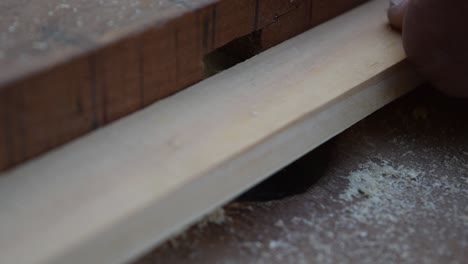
pixel 393 188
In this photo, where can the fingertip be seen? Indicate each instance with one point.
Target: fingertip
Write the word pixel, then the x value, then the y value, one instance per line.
pixel 396 13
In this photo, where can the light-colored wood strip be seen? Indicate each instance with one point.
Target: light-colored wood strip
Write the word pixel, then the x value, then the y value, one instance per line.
pixel 113 194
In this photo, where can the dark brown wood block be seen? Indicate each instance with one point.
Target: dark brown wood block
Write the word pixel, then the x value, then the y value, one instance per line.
pixel 293 20
pixel 48 110
pixel 322 10
pixel 4 136
pixel 270 11
pixel 206 25
pixel 188 51
pixel 69 69
pixel 159 63
pixel 119 79
pixel 233 19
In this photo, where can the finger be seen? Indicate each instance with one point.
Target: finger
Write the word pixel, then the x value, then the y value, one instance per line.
pixel 396 13
pixel 435 39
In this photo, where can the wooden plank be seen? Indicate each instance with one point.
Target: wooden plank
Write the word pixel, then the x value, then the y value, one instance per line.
pixel 137 52
pixel 309 223
pixel 119 191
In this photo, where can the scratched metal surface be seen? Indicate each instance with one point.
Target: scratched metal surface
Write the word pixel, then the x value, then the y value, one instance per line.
pixel 391 189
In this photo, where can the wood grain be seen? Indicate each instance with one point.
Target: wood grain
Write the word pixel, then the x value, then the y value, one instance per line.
pixel 313 218
pixel 293 19
pixel 133 53
pixel 66 110
pixel 117 192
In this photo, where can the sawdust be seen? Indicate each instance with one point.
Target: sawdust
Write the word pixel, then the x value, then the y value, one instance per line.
pixel 378 187
pixel 377 212
pixel 217 217
pixel 380 195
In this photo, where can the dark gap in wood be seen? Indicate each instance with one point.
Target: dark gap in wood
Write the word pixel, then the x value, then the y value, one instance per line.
pixel 232 53
pixel 295 179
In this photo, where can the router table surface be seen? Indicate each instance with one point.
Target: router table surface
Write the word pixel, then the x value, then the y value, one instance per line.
pixel 391 189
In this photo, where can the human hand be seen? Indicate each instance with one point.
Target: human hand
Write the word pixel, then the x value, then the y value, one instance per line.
pixel 435 38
